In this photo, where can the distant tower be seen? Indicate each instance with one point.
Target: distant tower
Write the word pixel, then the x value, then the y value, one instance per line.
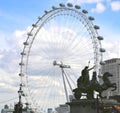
pixel 50 110
pixel 7 109
pixel 112 66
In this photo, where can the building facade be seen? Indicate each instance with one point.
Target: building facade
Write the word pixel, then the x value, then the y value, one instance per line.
pixel 7 109
pixel 112 66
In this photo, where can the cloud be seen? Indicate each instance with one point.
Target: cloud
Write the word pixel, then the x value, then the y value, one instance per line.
pixel 112 50
pixel 10 48
pixel 115 5
pixel 8 87
pixel 111 42
pixel 99 8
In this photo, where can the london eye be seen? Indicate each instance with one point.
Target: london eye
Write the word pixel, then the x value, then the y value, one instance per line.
pixel 59 45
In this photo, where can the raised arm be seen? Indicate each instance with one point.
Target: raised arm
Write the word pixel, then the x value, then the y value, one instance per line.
pixel 91 68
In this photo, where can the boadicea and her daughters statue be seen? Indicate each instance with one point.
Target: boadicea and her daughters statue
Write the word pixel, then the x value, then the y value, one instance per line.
pixel 87 86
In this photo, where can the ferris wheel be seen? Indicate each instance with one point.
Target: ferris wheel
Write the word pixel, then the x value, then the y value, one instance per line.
pixel 60 44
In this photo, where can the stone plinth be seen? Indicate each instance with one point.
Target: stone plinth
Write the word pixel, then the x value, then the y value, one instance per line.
pixel 83 106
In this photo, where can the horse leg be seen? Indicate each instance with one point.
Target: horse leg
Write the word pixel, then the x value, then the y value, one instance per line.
pixel 115 87
pixel 77 94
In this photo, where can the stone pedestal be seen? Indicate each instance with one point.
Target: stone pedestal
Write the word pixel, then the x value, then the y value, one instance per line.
pixel 83 106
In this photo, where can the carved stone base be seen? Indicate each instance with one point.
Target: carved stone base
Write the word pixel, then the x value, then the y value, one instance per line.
pixel 83 106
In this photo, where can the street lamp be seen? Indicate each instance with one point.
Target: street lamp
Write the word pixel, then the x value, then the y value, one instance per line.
pixel 20 92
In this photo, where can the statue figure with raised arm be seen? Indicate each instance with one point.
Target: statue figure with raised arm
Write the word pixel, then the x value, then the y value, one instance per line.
pixel 85 75
pixel 83 83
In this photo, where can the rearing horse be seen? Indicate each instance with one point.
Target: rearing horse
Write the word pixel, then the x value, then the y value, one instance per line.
pixel 106 84
pixel 93 85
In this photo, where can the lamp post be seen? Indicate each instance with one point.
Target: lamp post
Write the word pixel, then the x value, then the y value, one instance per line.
pixel 20 92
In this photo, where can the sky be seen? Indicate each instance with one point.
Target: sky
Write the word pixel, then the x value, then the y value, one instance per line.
pixel 16 16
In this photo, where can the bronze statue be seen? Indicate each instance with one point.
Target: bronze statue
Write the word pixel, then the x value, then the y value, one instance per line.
pixel 94 83
pixel 85 75
pixel 84 85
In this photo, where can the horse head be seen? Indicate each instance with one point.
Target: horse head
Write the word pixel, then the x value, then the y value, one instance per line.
pixel 106 76
pixel 107 82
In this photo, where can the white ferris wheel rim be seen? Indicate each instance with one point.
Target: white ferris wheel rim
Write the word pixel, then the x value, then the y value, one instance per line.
pixel 42 28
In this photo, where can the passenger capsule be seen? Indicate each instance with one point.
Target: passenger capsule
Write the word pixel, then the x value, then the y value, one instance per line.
pixel 96 27
pixel 30 34
pixel 46 11
pixel 22 53
pixel 53 7
pixel 34 25
pixel 102 50
pixel 26 43
pixel 100 38
pixel 69 5
pixel 77 6
pixel 91 18
pixel 62 5
pixel 21 74
pixel 21 64
pixel 84 11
